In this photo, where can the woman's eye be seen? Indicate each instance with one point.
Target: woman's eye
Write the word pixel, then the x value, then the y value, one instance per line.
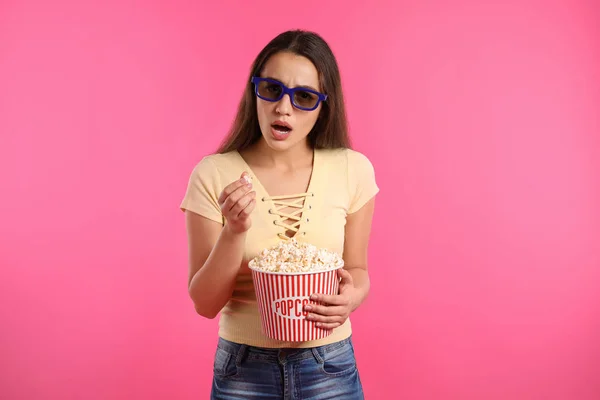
pixel 274 88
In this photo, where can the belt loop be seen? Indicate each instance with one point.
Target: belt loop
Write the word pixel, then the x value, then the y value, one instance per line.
pixel 317 355
pixel 240 355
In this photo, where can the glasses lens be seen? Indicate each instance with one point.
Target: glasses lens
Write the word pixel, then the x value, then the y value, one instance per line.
pixel 305 99
pixel 269 90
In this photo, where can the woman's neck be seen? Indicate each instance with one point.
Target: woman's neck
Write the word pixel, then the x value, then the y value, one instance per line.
pixel 296 157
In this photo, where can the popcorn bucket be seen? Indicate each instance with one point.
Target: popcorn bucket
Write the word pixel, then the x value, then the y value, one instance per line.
pixel 281 299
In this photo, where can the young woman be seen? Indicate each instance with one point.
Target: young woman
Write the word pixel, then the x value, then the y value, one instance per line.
pixel 290 139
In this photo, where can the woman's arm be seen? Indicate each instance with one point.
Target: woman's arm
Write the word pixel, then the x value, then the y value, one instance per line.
pixel 354 286
pixel 215 256
pixel 216 251
pixel 358 231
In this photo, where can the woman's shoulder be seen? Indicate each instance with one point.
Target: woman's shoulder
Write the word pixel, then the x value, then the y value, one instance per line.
pixel 220 159
pixel 346 156
pixel 216 162
pixel 216 169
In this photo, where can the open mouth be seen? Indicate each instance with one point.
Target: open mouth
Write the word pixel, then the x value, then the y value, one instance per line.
pixel 281 128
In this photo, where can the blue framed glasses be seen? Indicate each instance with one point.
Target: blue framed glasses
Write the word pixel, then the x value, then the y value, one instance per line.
pixel 272 90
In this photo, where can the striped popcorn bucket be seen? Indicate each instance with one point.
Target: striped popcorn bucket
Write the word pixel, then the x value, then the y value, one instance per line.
pixel 281 299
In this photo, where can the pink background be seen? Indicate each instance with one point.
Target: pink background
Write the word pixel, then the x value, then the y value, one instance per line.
pixel 481 120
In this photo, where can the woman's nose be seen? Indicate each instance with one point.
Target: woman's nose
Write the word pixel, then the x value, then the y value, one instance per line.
pixel 284 106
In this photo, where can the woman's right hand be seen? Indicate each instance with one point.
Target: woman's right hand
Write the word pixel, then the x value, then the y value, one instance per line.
pixel 237 202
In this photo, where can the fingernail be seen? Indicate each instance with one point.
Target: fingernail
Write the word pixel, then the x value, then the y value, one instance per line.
pixel 318 324
pixel 308 308
pixel 248 180
pixel 314 297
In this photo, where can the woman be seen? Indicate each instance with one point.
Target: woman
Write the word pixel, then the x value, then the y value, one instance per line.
pixel 285 170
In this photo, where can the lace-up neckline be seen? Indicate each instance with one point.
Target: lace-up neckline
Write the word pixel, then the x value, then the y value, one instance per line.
pixel 290 212
pixel 297 202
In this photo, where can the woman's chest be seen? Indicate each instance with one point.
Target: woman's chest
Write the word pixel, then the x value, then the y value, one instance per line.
pixel 318 217
pixel 279 183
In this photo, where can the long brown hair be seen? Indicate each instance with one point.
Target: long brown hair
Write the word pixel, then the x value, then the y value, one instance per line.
pixel 330 130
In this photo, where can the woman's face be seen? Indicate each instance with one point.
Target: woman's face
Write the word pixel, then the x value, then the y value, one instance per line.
pixel 293 71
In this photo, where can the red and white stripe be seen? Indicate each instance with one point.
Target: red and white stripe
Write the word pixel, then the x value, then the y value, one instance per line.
pixel 296 289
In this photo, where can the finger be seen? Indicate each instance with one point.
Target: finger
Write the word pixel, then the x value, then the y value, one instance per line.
pixel 345 276
pixel 332 300
pixel 232 187
pixel 233 198
pixel 245 213
pixel 242 203
pixel 331 325
pixel 324 318
pixel 324 310
pixel 246 177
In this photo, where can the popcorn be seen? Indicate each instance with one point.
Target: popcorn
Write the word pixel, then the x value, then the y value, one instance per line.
pixel 284 277
pixel 290 256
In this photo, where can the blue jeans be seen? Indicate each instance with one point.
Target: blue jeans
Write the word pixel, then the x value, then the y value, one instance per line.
pixel 325 372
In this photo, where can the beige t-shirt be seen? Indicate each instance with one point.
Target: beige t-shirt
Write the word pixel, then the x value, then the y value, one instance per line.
pixel 342 181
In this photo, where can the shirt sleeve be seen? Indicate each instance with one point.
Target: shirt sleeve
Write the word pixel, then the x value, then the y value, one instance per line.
pixel 361 179
pixel 203 191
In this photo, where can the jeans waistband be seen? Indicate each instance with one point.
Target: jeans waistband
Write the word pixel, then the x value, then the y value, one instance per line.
pixel 273 354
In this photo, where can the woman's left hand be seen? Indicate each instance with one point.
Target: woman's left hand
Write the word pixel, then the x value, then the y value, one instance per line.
pixel 334 309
